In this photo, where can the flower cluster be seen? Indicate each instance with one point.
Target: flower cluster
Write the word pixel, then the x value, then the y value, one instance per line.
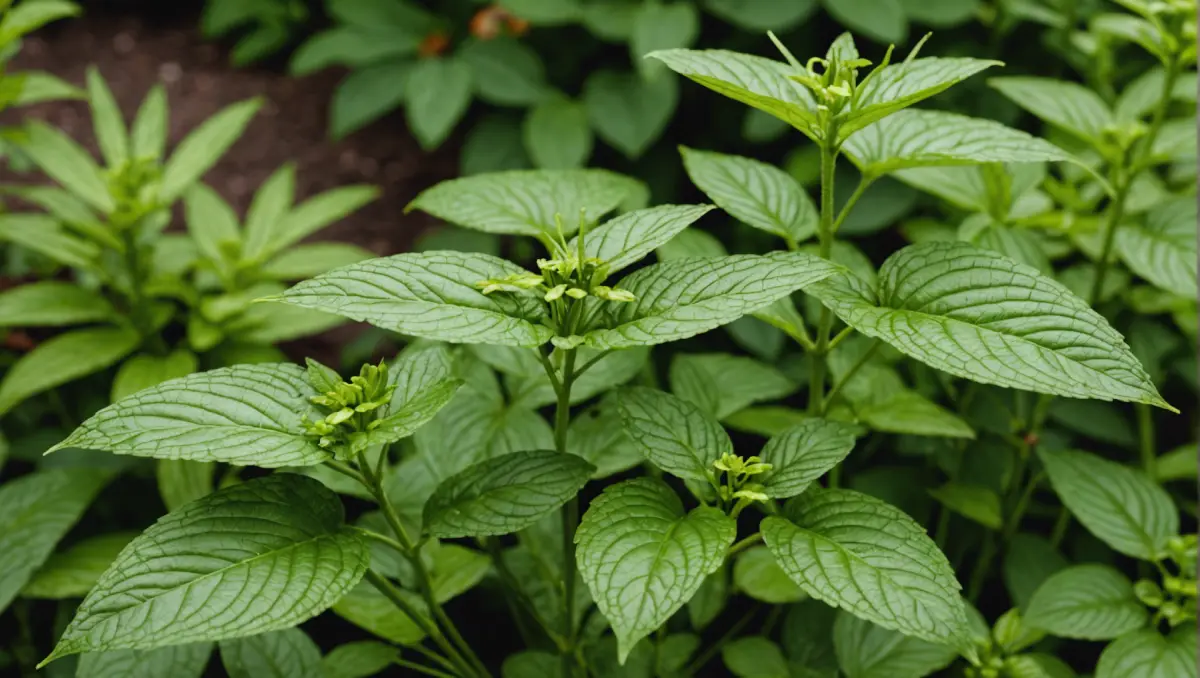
pixel 732 480
pixel 352 408
pixel 1175 600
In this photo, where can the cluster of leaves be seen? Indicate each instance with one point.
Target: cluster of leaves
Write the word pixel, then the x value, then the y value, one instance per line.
pixel 262 27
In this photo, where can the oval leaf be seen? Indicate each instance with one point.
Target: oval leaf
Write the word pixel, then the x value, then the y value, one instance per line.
pixel 802 454
pixel 628 238
pixel 1148 654
pixel 672 433
pixel 1162 248
pixel 174 661
pixel 1090 602
pixel 289 653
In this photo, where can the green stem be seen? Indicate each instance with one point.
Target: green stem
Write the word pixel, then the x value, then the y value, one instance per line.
pixel 1022 506
pixel 513 589
pixel 571 662
pixel 982 566
pixel 1145 421
pixel 744 544
pixel 863 360
pixel 345 470
pixel 1060 526
pixel 863 184
pixel 420 668
pixel 389 591
pixel 714 649
pixel 825 233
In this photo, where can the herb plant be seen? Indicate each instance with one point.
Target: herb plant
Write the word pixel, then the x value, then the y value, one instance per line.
pixel 263 27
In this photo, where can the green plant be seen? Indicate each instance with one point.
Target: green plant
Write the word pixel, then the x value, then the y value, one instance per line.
pixel 263 26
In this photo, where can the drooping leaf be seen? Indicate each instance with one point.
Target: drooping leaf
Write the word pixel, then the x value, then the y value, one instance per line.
pixel 628 238
pixel 865 650
pixel 1067 105
pixel 173 661
pixel 802 454
pixel 643 557
pixel 52 303
pixel 1091 602
pixel 1122 506
pixel 867 557
pixel 246 415
pixel 289 653
pixel 1162 247
pixel 64 358
pixel 260 556
pixel 73 572
pixel 672 433
pixel 721 384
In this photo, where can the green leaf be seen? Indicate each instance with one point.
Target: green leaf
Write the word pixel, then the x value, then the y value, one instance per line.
pixel 73 572
pixel 36 510
pixel 359 659
pixel 1180 463
pixel 270 204
pixel 880 20
pixel 148 136
pixel 802 454
pixel 63 359
pixel 598 436
pixel 865 556
pixel 318 212
pixel 1068 105
pixel 557 135
pixel 682 298
pixel 643 557
pixel 909 412
pixel 940 13
pixel 865 650
pixel 370 610
pixel 530 663
pixel 755 193
pixel 672 433
pixel 245 415
pixel 691 243
pixel 52 303
pixel 67 163
pixel 628 111
pixel 289 653
pixel 42 233
pixel 625 240
pixel 524 202
pixel 144 371
pixel 275 550
pixel 456 570
pixel 976 503
pixel 755 657
pixel 181 481
pixel 434 295
pixel 367 94
pixel 756 574
pixel 308 260
pixel 436 96
pixel 212 223
pixel 1029 562
pixel 107 121
pixel 29 16
pixel 1161 247
pixel 1123 507
pixel 762 15
pixel 544 12
pixel 173 661
pixel 505 71
pixel 505 494
pixel 1148 654
pixel 661 26
pixel 721 384
pixel 201 149
pixel 980 316
pixel 39 87
pixel 917 138
pixel 1090 602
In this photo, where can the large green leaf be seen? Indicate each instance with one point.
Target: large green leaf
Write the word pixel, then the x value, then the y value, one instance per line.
pixel 1091 602
pixel 1148 654
pixel 36 510
pixel 289 653
pixel 73 572
pixel 755 193
pixel 802 454
pixel 865 650
pixel 1068 105
pixel 245 415
pixel 978 315
pixel 682 298
pixel 721 384
pixel 437 95
pixel 557 135
pixel 505 494
pixel 917 138
pixel 674 434
pixel 256 557
pixel 64 358
pixel 1162 247
pixel 643 557
pixel 628 238
pixel 526 202
pixel 370 610
pixel 1122 506
pixel 429 294
pixel 52 303
pixel 869 558
pixel 201 149
pixel 173 661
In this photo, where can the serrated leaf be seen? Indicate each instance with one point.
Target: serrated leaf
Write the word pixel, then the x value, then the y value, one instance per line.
pixel 289 653
pixel 505 494
pixel 433 295
pixel 63 359
pixel 73 572
pixel 1122 506
pixel 802 454
pixel 273 550
pixel 911 413
pixel 756 574
pixel 1067 105
pixel 246 415
pixel 526 202
pixel 173 661
pixel 865 650
pixel 52 303
pixel 918 138
pixel 682 298
pixel 201 149
pixel 983 317
pixel 672 433
pixel 437 95
pixel 1161 247
pixel 359 659
pixel 869 558
pixel 721 384
pixel 36 510
pixel 643 557
pixel 625 240
pixel 755 193
pixel 1148 654
pixel 980 504
pixel 1091 602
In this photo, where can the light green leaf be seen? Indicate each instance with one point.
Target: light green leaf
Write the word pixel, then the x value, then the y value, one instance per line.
pixel 1180 463
pixel 505 494
pixel 201 149
pixel 628 111
pixel 107 121
pixel 67 163
pixel 1148 654
pixel 245 415
pixel 762 15
pixel 721 384
pixel 430 294
pixel 1161 247
pixel 308 260
pixel 682 298
pixel 643 557
pixel 526 202
pixel 366 95
pixel 359 659
pixel 756 574
pixel 36 510
pixel 146 370
pixel 505 71
pixel 880 20
pixel 371 611
pixel 691 243
pixel 456 570
pixel 1122 506
pixel 181 481
pixel 661 26
pixel 43 234
pixel 52 303
pixel 289 653
pixel 63 359
pixel 1068 105
pixel 628 238
pixel 148 136
pixel 173 661
pixel 980 316
pixel 271 203
pixel 911 413
pixel 865 556
pixel 437 95
pixel 918 138
pixel 865 650
pixel 316 213
pixel 557 135
pixel 802 454
pixel 39 87
pixel 1090 602
pixel 672 433
pixel 275 549
pixel 755 193
pixel 73 572
pixel 977 503
pixel 212 224
pixel 755 657
pixel 29 16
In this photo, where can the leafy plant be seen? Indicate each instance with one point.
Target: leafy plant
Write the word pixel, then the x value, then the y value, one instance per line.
pixel 263 26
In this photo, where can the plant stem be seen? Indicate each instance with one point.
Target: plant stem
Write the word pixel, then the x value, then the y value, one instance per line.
pixel 345 470
pixel 712 650
pixel 1145 421
pixel 1022 505
pixel 982 566
pixel 512 586
pixel 744 544
pixel 825 233
pixel 571 664
pixel 390 592
pixel 863 184
pixel 863 360
pixel 1060 526
pixel 419 668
